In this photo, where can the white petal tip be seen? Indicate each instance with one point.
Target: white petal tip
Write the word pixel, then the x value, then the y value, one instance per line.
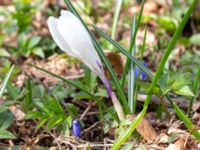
pixel 65 13
pixel 51 20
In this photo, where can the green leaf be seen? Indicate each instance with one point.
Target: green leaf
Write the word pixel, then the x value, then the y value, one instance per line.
pixel 168 23
pixel 39 91
pixel 101 93
pixel 54 106
pixel 4 53
pixel 69 120
pixel 185 91
pixel 13 91
pixel 187 122
pixel 38 51
pixel 72 109
pixel 6 118
pixel 81 95
pixel 129 131
pixel 22 41
pixel 3 108
pixel 6 134
pixel 33 115
pixel 195 39
pixel 27 105
pixel 131 73
pixel 124 51
pixel 33 41
pixel 5 81
pixel 194 89
pixel 90 79
pixel 54 121
pixel 42 107
pixel 116 16
pixel 128 146
pixel 42 121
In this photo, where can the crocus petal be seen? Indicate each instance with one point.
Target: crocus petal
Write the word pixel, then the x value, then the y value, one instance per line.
pixel 76 128
pixel 52 24
pixel 78 39
pixel 71 36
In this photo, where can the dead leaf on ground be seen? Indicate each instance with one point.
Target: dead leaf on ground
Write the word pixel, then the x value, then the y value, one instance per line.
pixel 178 145
pixel 117 63
pixel 145 129
pixel 196 118
pixel 151 39
pixel 57 64
pixel 149 7
pixel 162 138
pixel 17 113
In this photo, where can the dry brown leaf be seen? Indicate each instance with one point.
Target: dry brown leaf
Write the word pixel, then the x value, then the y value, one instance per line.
pixel 117 63
pixel 5 2
pixel 151 39
pixel 149 7
pixel 56 64
pixel 178 145
pixel 17 113
pixel 145 129
pixel 163 138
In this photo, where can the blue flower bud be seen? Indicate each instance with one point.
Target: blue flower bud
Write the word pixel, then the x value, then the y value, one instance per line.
pixel 142 73
pixel 76 128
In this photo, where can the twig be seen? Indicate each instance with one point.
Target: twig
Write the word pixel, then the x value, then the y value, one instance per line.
pixel 92 126
pixel 86 111
pixel 56 140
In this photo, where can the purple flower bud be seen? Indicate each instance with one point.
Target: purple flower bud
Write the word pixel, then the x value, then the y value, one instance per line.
pixel 142 73
pixel 76 128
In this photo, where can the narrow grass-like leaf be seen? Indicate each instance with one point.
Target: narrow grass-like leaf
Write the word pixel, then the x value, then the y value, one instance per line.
pixel 143 43
pixel 132 43
pixel 54 121
pixel 28 98
pixel 103 57
pixel 137 26
pixel 5 81
pixel 195 86
pixel 124 51
pixel 42 121
pixel 158 74
pixel 137 87
pixel 116 17
pixel 131 74
pixel 187 122
pixel 129 131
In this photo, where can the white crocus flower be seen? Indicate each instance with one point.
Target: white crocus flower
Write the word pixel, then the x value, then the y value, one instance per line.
pixel 71 36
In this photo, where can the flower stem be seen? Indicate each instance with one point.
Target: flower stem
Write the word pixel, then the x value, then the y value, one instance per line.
pixel 114 99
